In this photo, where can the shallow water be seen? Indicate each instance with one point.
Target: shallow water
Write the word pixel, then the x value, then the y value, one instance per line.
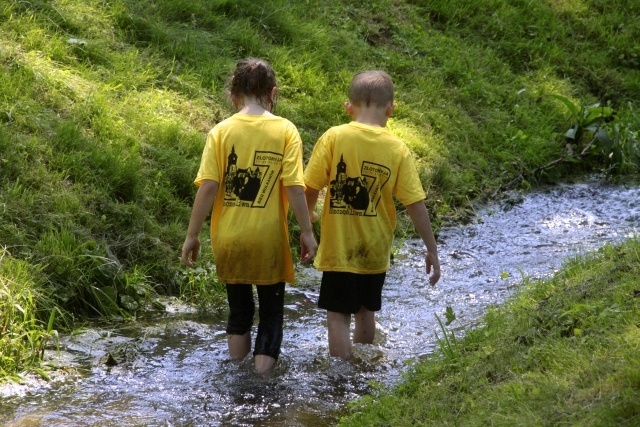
pixel 182 376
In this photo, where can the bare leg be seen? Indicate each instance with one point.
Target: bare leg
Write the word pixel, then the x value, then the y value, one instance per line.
pixel 239 345
pixel 365 329
pixel 339 334
pixel 263 363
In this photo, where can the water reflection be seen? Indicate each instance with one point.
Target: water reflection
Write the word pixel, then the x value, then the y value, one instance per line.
pixel 180 375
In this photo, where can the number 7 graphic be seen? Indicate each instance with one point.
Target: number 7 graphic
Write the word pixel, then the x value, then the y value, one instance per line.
pixel 273 164
pixel 376 177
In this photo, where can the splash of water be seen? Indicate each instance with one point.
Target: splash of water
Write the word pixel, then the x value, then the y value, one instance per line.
pixel 182 376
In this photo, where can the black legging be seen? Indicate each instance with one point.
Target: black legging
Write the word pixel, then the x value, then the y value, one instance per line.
pixel 270 312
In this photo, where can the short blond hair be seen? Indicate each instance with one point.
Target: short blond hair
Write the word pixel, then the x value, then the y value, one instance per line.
pixel 371 87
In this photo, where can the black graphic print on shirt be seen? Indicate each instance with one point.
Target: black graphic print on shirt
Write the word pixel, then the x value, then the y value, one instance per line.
pixel 357 195
pixel 251 186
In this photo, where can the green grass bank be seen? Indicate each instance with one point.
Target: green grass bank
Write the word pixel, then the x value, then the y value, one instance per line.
pixel 563 351
pixel 104 106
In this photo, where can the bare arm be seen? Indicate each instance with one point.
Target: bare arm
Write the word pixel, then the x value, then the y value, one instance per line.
pixel 312 199
pixel 308 244
pixel 205 197
pixel 420 218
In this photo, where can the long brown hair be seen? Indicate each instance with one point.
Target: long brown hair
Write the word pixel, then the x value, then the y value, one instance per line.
pixel 253 77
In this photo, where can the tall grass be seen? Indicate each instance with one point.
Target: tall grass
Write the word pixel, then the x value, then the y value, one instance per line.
pixel 26 324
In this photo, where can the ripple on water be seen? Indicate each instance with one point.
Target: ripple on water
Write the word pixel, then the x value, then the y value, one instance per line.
pixel 182 375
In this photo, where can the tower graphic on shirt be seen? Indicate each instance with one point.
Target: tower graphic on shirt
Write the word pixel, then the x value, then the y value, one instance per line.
pixel 251 186
pixel 357 195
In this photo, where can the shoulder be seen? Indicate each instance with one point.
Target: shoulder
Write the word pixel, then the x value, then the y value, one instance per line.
pixel 288 125
pixel 229 121
pixel 341 128
pixel 402 146
pixel 285 121
pixel 290 130
pixel 333 131
pixel 279 120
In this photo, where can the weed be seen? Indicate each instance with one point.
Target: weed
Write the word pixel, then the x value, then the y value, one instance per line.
pixel 448 343
pixel 201 287
pixel 24 329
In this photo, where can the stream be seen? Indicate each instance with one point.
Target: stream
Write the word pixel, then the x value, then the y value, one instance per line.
pixel 178 372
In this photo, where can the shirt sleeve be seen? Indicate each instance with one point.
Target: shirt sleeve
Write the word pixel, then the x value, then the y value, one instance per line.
pixel 318 170
pixel 408 188
pixel 209 162
pixel 292 169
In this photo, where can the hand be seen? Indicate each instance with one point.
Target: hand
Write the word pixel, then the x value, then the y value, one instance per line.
pixel 190 250
pixel 308 246
pixel 433 264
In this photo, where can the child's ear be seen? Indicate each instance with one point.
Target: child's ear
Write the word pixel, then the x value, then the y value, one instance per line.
pixel 274 93
pixel 389 110
pixel 236 101
pixel 348 108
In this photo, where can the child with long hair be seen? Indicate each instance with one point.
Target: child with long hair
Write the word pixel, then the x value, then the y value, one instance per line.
pixel 250 172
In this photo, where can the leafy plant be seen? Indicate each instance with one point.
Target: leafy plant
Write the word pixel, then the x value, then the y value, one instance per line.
pixel 587 118
pixel 448 343
pixel 614 135
pixel 622 148
pixel 200 285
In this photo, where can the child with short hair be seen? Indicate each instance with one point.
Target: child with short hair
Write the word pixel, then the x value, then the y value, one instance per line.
pixel 364 166
pixel 250 172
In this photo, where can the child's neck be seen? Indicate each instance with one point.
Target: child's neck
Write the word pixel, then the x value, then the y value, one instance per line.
pixel 252 107
pixel 372 120
pixel 369 115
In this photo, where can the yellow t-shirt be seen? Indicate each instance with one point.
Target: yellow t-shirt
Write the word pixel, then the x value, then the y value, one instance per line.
pixel 252 158
pixel 364 167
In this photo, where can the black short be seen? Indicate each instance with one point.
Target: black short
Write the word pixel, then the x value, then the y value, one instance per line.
pixel 346 292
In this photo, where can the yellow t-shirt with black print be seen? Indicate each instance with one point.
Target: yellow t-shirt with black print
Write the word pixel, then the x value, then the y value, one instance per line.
pixel 364 167
pixel 252 158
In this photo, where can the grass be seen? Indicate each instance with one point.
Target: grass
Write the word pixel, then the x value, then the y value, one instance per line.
pixel 23 335
pixel 563 351
pixel 104 107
